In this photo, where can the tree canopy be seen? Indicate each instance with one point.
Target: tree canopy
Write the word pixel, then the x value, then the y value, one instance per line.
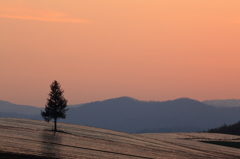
pixel 56 105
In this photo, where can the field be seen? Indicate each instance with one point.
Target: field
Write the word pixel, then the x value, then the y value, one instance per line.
pixel 22 138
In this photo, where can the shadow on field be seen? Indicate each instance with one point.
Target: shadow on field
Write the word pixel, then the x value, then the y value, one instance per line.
pixel 50 144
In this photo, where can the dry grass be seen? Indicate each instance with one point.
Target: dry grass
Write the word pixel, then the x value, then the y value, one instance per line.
pixel 32 137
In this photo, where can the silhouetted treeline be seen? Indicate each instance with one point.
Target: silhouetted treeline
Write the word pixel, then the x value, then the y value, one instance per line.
pixel 233 129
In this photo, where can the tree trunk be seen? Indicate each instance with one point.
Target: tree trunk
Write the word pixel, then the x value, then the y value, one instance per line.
pixel 55 125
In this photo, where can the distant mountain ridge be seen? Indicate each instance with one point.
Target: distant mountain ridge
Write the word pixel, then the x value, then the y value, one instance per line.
pixel 20 109
pixel 223 103
pixel 130 115
pixel 8 107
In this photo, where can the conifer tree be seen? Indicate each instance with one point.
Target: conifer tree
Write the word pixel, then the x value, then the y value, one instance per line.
pixel 56 105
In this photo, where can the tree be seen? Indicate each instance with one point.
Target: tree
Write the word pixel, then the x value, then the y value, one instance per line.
pixel 56 105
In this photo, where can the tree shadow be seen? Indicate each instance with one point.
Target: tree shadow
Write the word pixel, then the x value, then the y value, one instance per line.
pixel 50 146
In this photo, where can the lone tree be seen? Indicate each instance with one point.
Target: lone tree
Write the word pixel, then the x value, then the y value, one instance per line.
pixel 56 105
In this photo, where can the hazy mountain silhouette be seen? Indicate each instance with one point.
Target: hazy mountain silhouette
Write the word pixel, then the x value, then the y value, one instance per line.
pixel 170 130
pixel 223 103
pixel 20 109
pixel 16 115
pixel 130 115
pixel 24 109
pixel 75 105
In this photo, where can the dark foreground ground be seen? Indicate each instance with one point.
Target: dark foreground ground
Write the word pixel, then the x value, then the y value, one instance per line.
pixel 22 138
pixel 6 155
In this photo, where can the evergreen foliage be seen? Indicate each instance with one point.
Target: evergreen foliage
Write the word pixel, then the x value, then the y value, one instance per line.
pixel 233 129
pixel 56 106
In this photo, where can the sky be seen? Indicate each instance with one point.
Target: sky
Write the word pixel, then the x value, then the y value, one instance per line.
pixel 100 49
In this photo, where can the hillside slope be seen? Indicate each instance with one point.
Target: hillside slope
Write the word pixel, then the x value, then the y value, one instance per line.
pixel 21 136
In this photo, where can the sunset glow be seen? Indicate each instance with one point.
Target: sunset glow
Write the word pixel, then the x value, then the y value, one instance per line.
pixel 101 49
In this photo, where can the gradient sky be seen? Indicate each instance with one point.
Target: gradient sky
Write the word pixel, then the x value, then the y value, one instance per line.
pixel 100 49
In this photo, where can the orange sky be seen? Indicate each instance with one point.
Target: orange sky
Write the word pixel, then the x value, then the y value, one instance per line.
pixel 100 49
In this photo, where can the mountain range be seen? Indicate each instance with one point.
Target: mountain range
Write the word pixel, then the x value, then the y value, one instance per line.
pixel 223 103
pixel 129 115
